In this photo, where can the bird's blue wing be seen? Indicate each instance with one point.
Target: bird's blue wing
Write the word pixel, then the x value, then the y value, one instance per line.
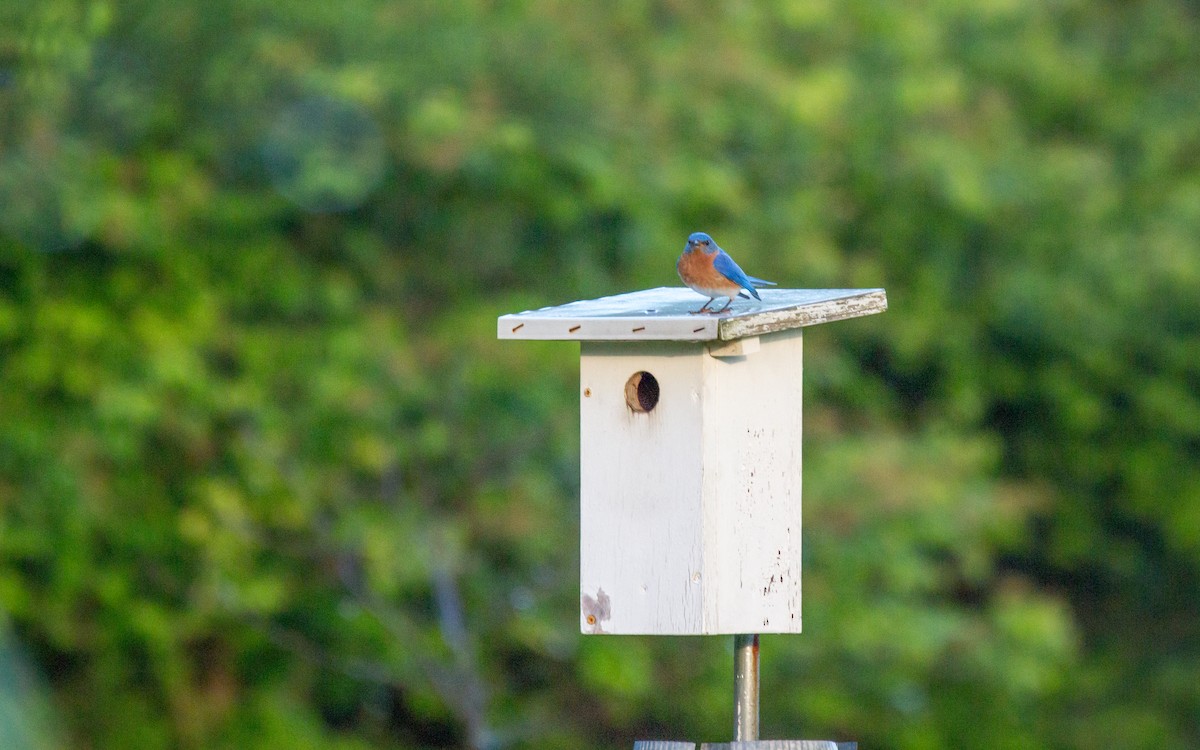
pixel 730 270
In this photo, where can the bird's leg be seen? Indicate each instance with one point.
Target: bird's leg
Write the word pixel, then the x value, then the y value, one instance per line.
pixel 723 309
pixel 702 307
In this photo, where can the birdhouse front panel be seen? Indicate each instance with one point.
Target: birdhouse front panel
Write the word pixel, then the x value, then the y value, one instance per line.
pixel 641 490
pixel 690 486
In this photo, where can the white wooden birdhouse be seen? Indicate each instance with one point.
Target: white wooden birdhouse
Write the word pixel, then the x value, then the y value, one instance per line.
pixel 690 429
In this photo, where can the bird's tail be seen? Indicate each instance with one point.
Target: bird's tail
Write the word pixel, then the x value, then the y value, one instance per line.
pixel 751 288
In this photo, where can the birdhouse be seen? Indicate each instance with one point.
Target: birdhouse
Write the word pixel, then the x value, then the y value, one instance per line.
pixel 690 455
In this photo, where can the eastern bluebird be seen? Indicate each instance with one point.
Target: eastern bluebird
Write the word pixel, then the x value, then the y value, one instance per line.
pixel 709 270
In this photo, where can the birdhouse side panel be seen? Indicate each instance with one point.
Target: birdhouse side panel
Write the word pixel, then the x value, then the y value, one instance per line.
pixel 752 460
pixel 640 490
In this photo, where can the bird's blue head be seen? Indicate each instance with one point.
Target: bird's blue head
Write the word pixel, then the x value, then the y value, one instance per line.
pixel 701 241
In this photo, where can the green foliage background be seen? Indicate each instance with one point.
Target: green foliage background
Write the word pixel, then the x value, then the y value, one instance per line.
pixel 268 480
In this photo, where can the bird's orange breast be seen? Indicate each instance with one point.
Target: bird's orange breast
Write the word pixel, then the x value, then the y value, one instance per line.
pixel 697 271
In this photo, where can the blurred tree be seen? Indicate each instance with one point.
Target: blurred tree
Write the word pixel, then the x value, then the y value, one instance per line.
pixel 267 479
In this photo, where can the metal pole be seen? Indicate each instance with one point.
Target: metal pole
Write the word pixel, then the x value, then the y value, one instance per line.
pixel 745 688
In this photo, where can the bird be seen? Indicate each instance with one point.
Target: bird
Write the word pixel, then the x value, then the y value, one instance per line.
pixel 709 270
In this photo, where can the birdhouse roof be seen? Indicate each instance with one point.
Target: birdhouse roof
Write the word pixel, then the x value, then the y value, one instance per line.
pixel 663 314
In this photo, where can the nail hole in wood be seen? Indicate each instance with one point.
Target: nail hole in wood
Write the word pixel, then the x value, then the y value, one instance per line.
pixel 519 327
pixel 574 329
